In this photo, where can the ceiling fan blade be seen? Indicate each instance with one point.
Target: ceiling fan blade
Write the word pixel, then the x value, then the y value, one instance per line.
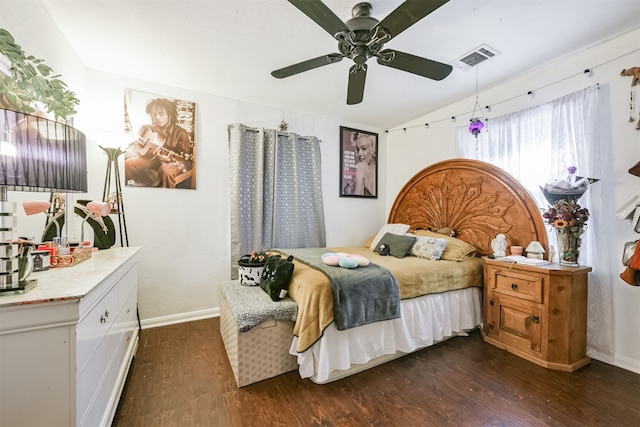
pixel 407 14
pixel 321 15
pixel 414 64
pixel 307 65
pixel 357 77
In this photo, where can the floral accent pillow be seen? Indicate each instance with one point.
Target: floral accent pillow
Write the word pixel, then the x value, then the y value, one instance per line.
pixel 456 250
pixel 429 247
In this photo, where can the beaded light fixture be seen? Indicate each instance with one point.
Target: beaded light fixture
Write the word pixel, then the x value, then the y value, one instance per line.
pixel 476 125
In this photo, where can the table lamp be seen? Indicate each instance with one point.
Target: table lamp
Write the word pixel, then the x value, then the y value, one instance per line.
pixel 41 206
pixel 36 154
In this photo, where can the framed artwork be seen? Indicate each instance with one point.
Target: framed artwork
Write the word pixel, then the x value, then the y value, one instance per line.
pixel 162 148
pixel 358 163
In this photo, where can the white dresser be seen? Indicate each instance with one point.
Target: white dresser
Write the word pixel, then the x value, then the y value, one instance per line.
pixel 66 346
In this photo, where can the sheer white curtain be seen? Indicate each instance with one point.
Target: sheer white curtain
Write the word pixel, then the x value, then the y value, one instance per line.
pixel 276 192
pixel 536 146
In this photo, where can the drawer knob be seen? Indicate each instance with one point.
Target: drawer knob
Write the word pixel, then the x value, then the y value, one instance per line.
pixel 514 286
pixel 535 318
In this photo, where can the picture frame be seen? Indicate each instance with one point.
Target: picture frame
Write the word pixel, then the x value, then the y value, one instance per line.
pixel 358 163
pixel 162 148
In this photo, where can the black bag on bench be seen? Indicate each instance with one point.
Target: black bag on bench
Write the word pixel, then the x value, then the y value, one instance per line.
pixel 276 276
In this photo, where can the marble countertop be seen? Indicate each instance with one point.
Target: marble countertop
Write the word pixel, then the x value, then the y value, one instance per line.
pixel 69 283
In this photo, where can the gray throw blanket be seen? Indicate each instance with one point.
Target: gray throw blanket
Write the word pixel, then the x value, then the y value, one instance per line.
pixel 361 295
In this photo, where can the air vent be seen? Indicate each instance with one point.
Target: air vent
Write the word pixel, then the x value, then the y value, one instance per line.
pixel 475 57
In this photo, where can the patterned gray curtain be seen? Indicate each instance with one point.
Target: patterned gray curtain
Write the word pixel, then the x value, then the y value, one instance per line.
pixel 276 191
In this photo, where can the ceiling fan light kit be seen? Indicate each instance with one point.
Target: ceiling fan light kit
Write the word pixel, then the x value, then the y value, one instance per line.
pixel 363 37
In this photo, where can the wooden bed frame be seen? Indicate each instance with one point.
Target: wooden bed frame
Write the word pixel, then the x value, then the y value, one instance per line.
pixel 475 199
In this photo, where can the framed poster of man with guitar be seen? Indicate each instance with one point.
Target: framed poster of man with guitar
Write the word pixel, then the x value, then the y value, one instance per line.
pixel 162 149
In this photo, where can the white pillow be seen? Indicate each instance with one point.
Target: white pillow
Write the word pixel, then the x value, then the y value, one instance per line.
pixel 428 247
pixel 399 229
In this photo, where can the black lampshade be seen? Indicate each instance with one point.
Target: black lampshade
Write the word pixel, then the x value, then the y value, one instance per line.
pixel 37 154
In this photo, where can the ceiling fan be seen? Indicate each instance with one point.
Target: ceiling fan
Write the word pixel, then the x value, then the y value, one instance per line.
pixel 362 37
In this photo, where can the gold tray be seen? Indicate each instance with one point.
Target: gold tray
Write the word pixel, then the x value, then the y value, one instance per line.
pixel 76 257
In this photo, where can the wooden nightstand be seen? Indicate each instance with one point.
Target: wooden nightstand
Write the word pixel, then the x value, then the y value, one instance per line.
pixel 538 313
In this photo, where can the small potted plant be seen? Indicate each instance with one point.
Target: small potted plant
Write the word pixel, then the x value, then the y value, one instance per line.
pixel 26 83
pixel 250 268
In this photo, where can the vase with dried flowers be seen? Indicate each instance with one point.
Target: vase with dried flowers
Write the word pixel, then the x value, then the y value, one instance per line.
pixel 569 221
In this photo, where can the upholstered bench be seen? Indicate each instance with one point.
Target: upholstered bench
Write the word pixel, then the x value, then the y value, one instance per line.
pixel 256 332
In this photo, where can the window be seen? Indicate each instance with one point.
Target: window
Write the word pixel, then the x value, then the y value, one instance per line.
pixel 536 146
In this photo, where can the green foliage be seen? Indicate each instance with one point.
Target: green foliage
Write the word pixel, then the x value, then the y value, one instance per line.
pixel 32 81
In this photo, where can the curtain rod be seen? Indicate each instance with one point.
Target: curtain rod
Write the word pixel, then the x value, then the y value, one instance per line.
pixel 256 130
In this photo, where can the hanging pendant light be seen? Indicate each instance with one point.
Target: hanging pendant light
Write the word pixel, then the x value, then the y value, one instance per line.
pixel 476 125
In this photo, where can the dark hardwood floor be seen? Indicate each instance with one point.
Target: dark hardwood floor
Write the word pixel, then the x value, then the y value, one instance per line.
pixel 181 377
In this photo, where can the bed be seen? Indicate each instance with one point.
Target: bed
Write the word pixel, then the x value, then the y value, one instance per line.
pixel 473 199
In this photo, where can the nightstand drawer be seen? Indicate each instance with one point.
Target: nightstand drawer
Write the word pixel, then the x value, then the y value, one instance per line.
pixel 528 287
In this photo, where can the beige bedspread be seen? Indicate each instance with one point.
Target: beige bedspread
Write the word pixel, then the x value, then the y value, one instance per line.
pixel 311 288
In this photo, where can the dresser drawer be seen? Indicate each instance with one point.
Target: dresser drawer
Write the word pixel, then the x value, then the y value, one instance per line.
pixel 519 285
pixel 93 328
pixel 107 363
pixel 127 323
pixel 127 284
pixel 94 375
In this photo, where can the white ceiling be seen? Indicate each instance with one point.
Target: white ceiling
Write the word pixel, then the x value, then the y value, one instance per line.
pixel 229 48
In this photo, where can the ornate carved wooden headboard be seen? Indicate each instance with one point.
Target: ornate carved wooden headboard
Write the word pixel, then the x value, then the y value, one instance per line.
pixel 474 198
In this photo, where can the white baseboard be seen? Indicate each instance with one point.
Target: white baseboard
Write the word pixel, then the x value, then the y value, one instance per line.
pixel 628 364
pixel 623 362
pixel 180 318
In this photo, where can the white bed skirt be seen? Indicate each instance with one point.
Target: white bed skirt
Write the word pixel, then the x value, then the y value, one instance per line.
pixel 425 320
